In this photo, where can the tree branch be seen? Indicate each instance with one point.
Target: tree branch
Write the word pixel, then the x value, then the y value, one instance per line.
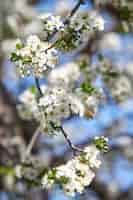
pixel 38 87
pixel 32 142
pixel 71 145
pixel 74 10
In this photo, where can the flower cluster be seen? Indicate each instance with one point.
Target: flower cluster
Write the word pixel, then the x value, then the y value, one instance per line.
pixel 78 30
pixel 34 57
pixel 76 174
pixel 116 80
pixel 73 176
pixel 91 98
pixel 81 168
pixel 73 33
pixel 88 21
pixel 30 168
pixel 28 104
pixel 122 89
pixel 51 23
pixel 57 104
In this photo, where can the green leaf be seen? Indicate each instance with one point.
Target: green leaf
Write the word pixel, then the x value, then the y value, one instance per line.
pixel 33 90
pixel 19 46
pixel 14 57
pixel 101 144
pixel 63 179
pixel 86 87
pixel 27 60
pixel 52 174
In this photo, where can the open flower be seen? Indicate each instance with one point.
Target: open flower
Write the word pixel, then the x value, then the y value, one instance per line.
pixel 76 174
pixel 34 58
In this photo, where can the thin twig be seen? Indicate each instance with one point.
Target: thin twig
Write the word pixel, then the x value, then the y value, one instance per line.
pixel 74 10
pixel 53 45
pixel 71 145
pixel 38 87
pixel 32 141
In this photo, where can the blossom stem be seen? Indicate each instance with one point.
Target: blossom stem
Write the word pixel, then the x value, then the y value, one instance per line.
pixel 71 145
pixel 38 87
pixel 32 142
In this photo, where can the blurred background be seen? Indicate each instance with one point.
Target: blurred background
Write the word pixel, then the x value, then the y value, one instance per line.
pixel 114 180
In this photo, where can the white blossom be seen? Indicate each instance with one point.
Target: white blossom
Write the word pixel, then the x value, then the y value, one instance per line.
pixel 77 173
pixel 57 104
pixel 88 21
pixel 121 90
pixel 96 21
pixel 80 28
pixel 18 170
pixel 103 137
pixel 51 23
pixel 33 42
pixel 93 161
pixel 67 75
pixel 28 105
pixel 91 102
pixel 33 58
pixel 46 182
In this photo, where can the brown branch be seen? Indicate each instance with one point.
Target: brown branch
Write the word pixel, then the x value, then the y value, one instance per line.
pixel 32 142
pixel 71 145
pixel 74 10
pixel 38 87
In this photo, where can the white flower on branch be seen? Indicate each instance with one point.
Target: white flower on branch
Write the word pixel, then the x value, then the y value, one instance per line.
pixel 28 105
pixel 57 104
pixel 33 58
pixel 96 21
pixel 92 101
pixel 51 23
pixel 78 31
pixel 88 21
pixel 76 174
